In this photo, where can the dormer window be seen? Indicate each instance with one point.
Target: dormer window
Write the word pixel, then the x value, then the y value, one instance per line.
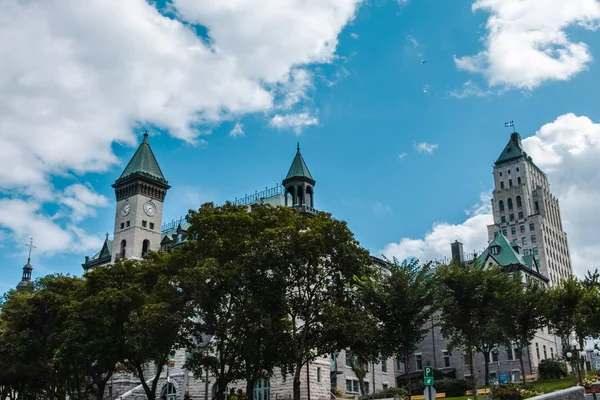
pixel 495 250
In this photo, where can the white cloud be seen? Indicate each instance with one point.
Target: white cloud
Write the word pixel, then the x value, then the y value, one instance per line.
pixel 296 122
pixel 25 219
pixel 470 89
pixel 82 200
pixel 425 147
pixel 412 41
pixel 436 243
pixel 568 150
pixel 238 130
pixel 426 89
pixel 83 74
pixel 354 35
pixel 402 155
pixel 527 44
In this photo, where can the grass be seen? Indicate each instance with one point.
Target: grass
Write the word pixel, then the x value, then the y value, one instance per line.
pixel 540 386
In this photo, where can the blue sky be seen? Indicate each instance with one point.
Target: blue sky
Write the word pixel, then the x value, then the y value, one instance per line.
pixel 401 150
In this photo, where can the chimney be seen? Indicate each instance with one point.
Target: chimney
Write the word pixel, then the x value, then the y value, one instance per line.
pixel 458 256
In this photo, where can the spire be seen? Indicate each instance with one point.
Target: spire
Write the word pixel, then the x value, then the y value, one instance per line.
pixel 512 151
pixel 143 163
pixel 299 169
pixel 26 283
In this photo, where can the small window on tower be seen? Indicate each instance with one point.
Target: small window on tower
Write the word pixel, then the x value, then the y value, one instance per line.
pixel 512 217
pixel 501 185
pixel 144 224
pixel 518 180
pixel 504 232
pixel 520 214
pixel 151 225
pixel 522 228
pixel 500 173
pixel 509 171
pixel 503 219
pixel 510 182
pixel 128 224
pixel 122 225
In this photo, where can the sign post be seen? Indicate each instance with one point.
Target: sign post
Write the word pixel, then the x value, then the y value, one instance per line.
pixel 429 393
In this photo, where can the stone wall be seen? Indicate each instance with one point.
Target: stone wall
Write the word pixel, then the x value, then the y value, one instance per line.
pixel 378 377
pixel 574 393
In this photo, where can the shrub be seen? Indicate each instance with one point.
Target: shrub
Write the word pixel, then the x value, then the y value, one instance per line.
pixel 336 392
pixel 415 388
pixel 552 369
pixel 513 391
pixel 389 393
pixel 452 387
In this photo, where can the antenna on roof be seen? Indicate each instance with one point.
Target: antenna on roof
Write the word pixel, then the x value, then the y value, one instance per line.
pixel 31 247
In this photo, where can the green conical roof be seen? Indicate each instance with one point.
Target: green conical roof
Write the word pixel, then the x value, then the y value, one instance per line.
pixel 512 151
pixel 143 162
pixel 299 169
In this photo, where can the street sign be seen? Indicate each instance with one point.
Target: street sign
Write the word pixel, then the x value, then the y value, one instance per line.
pixel 428 376
pixel 429 393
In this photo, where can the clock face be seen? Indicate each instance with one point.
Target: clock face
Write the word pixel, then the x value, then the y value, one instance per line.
pixel 150 208
pixel 125 209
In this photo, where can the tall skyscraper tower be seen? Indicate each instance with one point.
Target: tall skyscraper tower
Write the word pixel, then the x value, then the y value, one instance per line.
pixel 525 211
pixel 140 191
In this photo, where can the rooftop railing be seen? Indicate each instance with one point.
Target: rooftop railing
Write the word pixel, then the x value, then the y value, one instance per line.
pixel 263 194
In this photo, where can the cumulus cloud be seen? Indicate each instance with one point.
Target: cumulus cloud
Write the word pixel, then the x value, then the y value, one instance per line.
pixel 82 200
pixel 470 89
pixel 402 155
pixel 425 147
pixel 527 44
pixel 296 122
pixel 84 74
pixel 567 149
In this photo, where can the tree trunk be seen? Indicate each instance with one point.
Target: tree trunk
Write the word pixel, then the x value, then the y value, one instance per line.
pixel 297 381
pixel 250 388
pixel 101 386
pixel 407 371
pixel 472 370
pixel 486 363
pixel 522 366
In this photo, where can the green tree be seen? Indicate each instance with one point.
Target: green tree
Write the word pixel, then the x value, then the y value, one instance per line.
pixel 523 315
pixel 471 300
pixel 404 304
pixel 237 297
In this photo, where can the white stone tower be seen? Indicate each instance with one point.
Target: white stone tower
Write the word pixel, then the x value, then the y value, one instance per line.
pixel 526 211
pixel 140 192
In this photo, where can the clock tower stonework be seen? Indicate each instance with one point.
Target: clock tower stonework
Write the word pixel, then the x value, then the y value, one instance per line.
pixel 140 192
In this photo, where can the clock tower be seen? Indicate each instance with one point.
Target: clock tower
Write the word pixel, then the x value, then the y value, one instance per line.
pixel 140 192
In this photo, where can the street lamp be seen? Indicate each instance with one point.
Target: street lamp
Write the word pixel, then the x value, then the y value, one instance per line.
pixel 574 356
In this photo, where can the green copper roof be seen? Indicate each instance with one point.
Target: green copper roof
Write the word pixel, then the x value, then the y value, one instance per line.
pixel 506 256
pixel 144 162
pixel 299 167
pixel 512 150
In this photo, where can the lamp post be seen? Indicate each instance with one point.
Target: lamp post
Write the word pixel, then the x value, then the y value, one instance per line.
pixel 574 355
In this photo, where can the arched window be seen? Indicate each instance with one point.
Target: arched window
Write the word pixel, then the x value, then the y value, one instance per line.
pixel 145 246
pixel 262 389
pixel 501 204
pixel 168 392
pixel 519 204
pixel 123 247
pixel 510 204
pixel 309 197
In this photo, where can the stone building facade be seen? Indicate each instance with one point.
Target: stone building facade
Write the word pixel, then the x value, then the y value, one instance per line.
pixel 525 210
pixel 140 194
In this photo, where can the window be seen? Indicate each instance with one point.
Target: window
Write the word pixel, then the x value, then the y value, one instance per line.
pixel 355 387
pixel 510 204
pixel 493 376
pixel 128 223
pixel 144 223
pixel 524 240
pixel 501 185
pixel 398 364
pixel 522 228
pixel 348 385
pixel 123 247
pixel 513 230
pixel 516 376
pixel 519 204
pixel 384 366
pixel 385 386
pixel 446 356
pixel 537 350
pixel 537 207
pixel 510 183
pixel 504 232
pixel 551 352
pixel 466 359
pixel 512 217
pixel 419 359
pixel 318 374
pixel 520 214
pixel 348 358
pixel 152 225
pixel 501 205
pixel 262 389
pixel 503 219
pixel 533 239
pixel 145 246
pixel 494 355
pixel 122 225
pixel 531 227
pixel 500 173
pixel 496 233
pixel 526 252
pixel 545 353
pixel 366 387
pixel 535 251
pixel 495 250
pixel 509 171
pixel 517 169
pixel 518 180
pixel 509 354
